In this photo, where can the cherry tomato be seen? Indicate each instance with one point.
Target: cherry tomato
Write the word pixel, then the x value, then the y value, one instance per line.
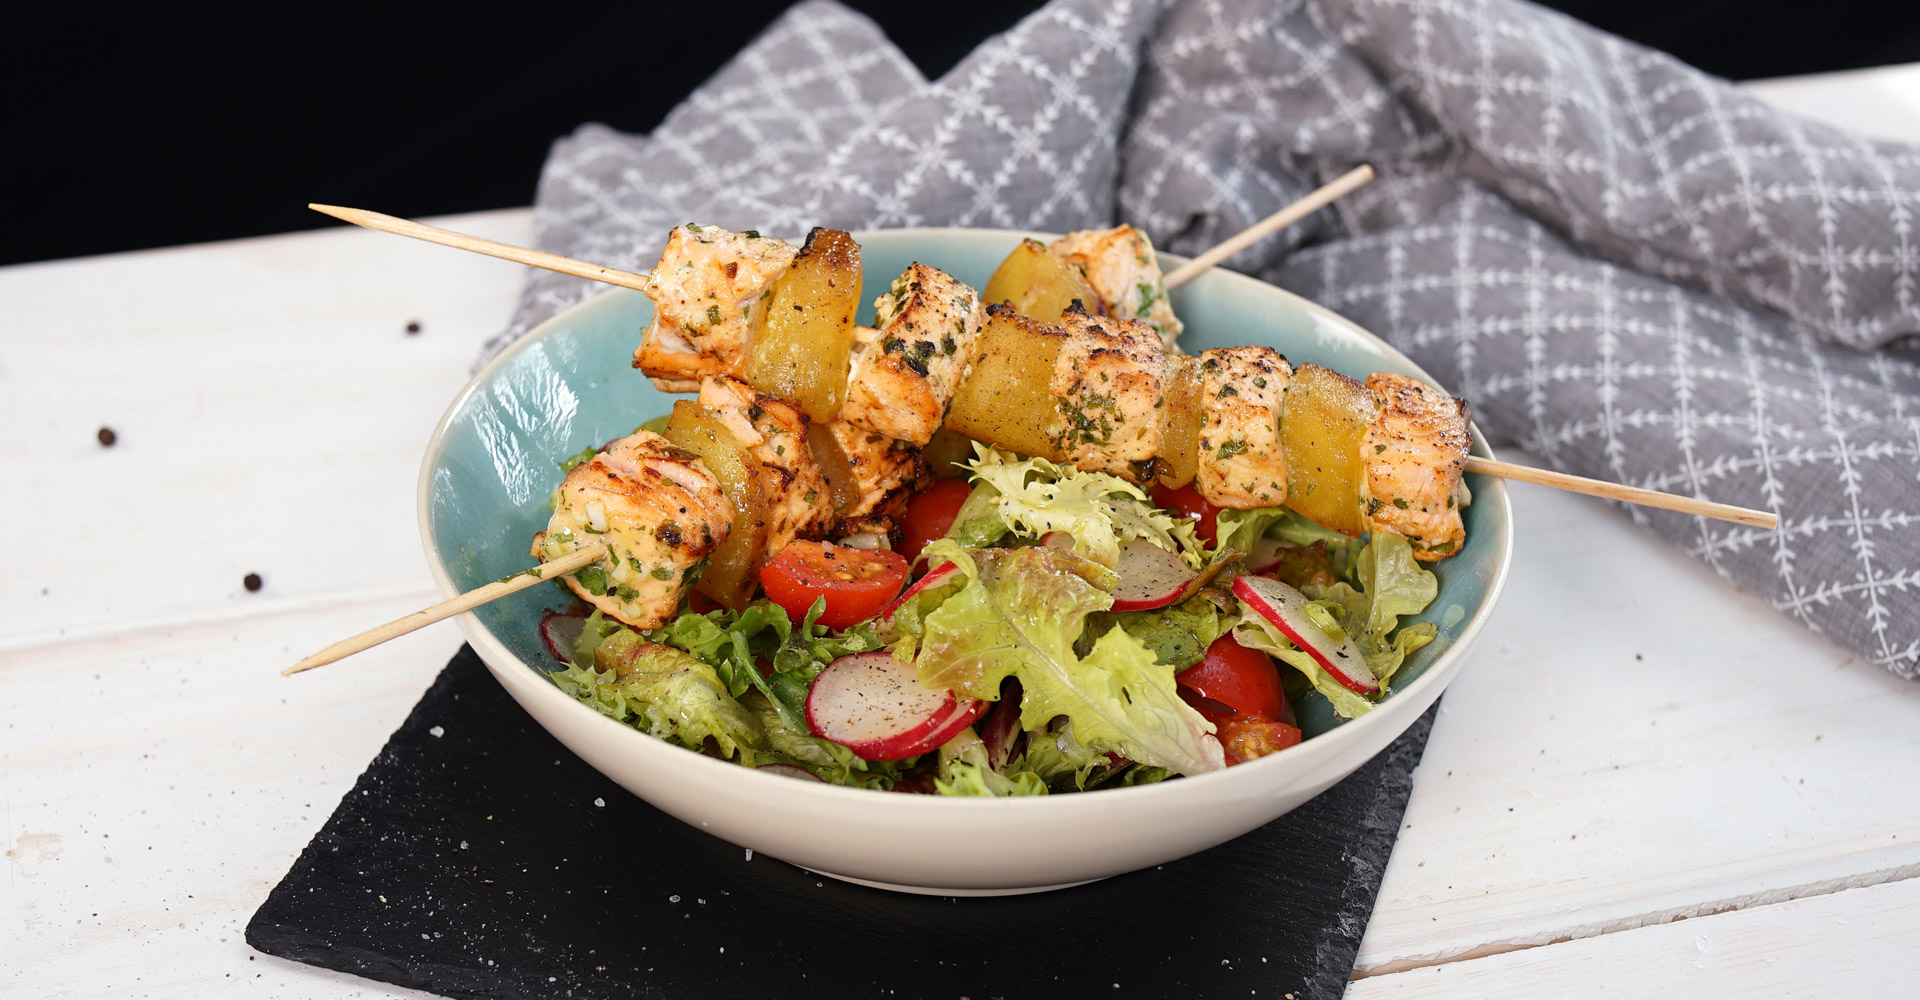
pixel 930 514
pixel 1187 500
pixel 857 583
pixel 1237 681
pixel 1246 739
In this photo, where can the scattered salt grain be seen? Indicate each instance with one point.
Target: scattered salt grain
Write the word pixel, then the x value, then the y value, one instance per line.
pixel 673 899
pixel 437 731
pixel 602 803
pixel 749 854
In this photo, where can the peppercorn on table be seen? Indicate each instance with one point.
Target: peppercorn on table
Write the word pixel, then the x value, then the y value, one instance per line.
pixel 1635 742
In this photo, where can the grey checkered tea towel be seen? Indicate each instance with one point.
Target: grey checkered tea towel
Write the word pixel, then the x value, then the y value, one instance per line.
pixel 1632 269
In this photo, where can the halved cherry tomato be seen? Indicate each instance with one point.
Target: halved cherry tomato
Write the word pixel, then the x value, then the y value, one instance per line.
pixel 930 514
pixel 857 583
pixel 1244 739
pixel 1187 500
pixel 1237 681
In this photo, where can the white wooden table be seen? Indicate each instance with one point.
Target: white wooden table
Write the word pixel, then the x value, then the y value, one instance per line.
pixel 1646 782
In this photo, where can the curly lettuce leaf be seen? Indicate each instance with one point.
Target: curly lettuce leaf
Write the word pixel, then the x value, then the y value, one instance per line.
pixel 1392 585
pixel 824 759
pixel 1238 530
pixel 1034 496
pixel 665 692
pixel 965 770
pixel 1018 614
pixel 733 643
pixel 1178 634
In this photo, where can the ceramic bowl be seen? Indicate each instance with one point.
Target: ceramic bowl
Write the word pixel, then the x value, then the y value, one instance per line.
pixel 483 493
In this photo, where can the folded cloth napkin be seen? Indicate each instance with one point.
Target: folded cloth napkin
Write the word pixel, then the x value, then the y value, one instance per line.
pixel 1634 270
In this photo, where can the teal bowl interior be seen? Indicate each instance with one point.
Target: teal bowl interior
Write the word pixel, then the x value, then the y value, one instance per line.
pixel 570 383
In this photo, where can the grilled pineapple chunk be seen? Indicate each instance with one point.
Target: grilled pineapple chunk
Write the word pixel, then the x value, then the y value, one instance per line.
pixel 1179 458
pixel 1007 397
pixel 1040 284
pixel 733 571
pixel 801 353
pixel 1325 416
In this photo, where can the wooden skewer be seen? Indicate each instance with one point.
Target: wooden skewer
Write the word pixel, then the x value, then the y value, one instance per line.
pixel 1319 199
pixel 574 560
pixel 1313 202
pixel 1630 494
pixel 492 248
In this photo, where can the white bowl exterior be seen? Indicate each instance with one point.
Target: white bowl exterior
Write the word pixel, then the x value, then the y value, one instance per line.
pixel 961 843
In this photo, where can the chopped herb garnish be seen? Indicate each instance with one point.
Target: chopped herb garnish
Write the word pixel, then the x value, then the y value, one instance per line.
pixel 752 234
pixel 594 579
pixel 1400 502
pixel 713 315
pixel 1260 381
pixel 662 573
pixel 1378 448
pixel 1231 448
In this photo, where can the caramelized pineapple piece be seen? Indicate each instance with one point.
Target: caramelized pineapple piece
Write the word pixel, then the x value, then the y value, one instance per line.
pixel 1324 418
pixel 802 352
pixel 1040 284
pixel 1180 422
pixel 1007 397
pixel 733 571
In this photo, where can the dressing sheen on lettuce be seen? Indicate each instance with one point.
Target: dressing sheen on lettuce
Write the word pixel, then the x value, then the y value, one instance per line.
pixel 1018 612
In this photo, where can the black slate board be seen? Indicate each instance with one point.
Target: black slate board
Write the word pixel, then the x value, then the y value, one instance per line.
pixel 477 857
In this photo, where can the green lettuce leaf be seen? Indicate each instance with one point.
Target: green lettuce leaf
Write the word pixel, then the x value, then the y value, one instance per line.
pixel 1255 632
pixel 965 770
pixel 826 760
pixel 733 643
pixel 1392 584
pixel 1019 613
pixel 1178 634
pixel 1058 760
pixel 1238 530
pixel 665 692
pixel 1034 496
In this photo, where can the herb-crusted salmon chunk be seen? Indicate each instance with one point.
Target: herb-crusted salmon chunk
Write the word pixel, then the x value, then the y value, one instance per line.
pixel 906 367
pixel 1120 265
pixel 660 512
pixel 774 431
pixel 1415 455
pixel 1110 381
pixel 708 291
pixel 1242 464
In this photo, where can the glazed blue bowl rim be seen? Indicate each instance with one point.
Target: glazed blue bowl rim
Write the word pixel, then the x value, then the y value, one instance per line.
pixel 1490 491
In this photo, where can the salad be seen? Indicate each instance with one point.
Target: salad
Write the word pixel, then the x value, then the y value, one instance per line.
pixel 1030 628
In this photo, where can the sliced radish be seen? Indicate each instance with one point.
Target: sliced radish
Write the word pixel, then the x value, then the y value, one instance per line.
pixel 1286 608
pixel 1265 555
pixel 1057 540
pixel 934 578
pixel 560 632
pixel 1150 576
pixel 876 706
pixel 790 771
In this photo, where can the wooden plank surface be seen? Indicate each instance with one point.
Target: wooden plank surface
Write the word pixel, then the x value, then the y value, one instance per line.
pixel 1635 740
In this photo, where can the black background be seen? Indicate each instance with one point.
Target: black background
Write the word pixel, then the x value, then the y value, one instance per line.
pixel 135 126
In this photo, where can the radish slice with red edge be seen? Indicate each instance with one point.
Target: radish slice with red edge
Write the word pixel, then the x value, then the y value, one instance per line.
pixel 794 771
pixel 559 632
pixel 1150 576
pixel 934 578
pixel 876 706
pixel 1286 608
pixel 1265 555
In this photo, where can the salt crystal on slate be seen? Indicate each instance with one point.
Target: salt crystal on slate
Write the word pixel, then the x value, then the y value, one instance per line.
pixel 602 803
pixel 437 731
